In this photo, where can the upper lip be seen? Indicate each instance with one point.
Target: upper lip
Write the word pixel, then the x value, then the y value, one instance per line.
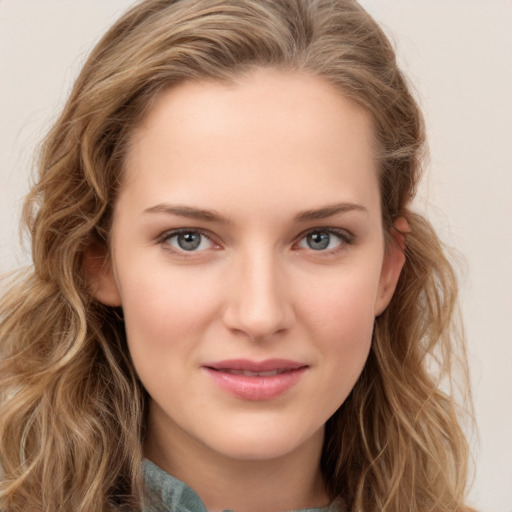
pixel 255 366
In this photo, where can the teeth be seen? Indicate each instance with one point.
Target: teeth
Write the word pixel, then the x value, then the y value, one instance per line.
pixel 248 373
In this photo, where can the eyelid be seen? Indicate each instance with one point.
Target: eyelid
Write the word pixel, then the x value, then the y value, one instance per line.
pixel 345 236
pixel 166 235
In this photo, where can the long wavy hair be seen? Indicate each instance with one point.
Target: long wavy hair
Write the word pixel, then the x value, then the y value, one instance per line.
pixel 72 410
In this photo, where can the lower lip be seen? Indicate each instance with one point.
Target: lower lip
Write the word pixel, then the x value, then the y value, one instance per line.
pixel 257 388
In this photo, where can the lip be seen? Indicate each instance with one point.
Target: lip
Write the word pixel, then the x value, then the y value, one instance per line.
pixel 256 380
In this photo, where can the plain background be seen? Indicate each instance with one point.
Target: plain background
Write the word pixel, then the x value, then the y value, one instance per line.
pixel 457 53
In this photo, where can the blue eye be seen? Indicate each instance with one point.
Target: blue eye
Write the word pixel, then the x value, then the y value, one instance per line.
pixel 324 240
pixel 188 240
pixel 318 241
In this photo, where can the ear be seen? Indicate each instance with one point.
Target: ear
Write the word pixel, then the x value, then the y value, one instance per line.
pixel 100 276
pixel 394 259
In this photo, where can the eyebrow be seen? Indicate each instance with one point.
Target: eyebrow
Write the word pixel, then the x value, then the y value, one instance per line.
pixel 328 211
pixel 191 212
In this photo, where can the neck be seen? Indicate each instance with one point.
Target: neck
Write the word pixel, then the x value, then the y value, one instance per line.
pixel 288 482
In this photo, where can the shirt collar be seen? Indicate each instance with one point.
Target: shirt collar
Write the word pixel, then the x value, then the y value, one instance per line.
pixel 176 496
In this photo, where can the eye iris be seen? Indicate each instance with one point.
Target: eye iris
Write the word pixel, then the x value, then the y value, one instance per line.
pixel 319 240
pixel 189 241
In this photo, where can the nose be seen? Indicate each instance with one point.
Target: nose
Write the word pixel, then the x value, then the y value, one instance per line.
pixel 258 304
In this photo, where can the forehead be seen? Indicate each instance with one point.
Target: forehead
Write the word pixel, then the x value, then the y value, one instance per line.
pixel 291 131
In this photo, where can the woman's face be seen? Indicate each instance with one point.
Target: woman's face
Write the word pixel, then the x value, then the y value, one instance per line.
pixel 248 256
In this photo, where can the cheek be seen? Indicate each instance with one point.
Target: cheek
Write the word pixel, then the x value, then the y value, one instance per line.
pixel 165 313
pixel 166 317
pixel 340 321
pixel 343 304
pixel 346 332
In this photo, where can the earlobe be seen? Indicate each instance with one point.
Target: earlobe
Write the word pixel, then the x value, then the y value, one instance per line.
pixel 100 276
pixel 394 259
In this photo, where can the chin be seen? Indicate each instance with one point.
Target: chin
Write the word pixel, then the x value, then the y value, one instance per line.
pixel 263 443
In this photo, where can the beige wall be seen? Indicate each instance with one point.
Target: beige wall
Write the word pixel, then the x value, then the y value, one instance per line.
pixel 458 54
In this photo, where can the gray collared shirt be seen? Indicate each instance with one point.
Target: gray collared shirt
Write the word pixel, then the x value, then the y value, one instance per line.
pixel 176 496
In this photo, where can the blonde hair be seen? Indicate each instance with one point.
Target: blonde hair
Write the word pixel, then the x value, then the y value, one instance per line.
pixel 72 410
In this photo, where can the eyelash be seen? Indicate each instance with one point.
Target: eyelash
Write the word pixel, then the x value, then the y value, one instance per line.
pixel 345 237
pixel 168 235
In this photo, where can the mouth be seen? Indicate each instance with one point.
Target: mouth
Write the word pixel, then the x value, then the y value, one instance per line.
pixel 256 380
pixel 249 373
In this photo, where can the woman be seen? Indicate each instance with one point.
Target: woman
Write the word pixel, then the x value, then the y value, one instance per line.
pixel 229 284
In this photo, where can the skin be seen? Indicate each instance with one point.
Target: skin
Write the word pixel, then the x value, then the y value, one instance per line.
pixel 262 155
